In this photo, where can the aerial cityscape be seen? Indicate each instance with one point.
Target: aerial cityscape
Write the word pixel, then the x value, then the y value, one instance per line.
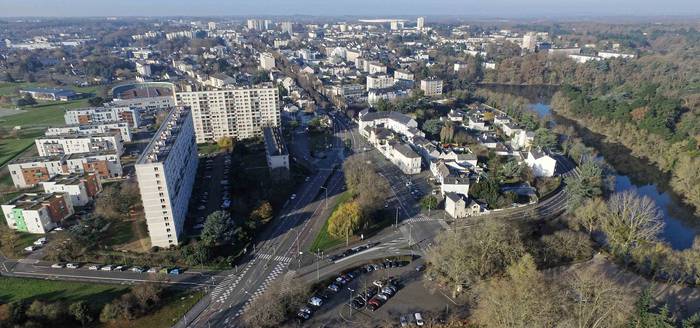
pixel 371 164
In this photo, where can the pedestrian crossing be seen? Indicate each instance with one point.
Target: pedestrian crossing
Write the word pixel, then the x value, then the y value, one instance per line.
pixel 225 288
pixel 421 219
pixel 284 259
pixel 276 271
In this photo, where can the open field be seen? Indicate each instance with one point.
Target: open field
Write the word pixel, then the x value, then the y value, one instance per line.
pixel 17 289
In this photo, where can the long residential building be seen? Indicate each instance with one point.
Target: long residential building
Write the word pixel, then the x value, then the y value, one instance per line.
pixel 232 112
pixel 91 129
pixel 94 115
pixel 276 153
pixel 77 144
pixel 28 172
pixel 165 172
pixel 37 213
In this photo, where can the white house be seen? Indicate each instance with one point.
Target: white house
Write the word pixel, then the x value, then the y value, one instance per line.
pixel 541 164
pixel 457 206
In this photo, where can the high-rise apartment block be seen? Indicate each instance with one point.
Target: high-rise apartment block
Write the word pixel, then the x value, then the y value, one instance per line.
pixel 95 115
pixel 267 61
pixel 165 173
pixel 239 112
pixel 420 23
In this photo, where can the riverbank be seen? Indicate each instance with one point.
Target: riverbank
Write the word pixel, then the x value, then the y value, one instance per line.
pixel 678 170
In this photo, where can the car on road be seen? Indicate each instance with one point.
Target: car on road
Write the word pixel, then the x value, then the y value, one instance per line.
pixel 94 267
pixel 137 269
pixel 333 287
pixel 107 268
pixel 31 248
pixel 57 265
pixel 152 270
pixel 419 318
pixel 120 268
pixel 72 265
pixel 175 271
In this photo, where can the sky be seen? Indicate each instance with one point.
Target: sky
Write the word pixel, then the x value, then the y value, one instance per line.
pixel 469 8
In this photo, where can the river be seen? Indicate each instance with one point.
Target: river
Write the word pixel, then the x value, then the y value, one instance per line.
pixel 632 173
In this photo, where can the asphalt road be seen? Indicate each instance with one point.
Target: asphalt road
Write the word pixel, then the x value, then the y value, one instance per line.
pixel 275 249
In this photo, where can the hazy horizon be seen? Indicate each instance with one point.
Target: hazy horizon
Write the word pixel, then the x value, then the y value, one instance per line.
pixel 495 8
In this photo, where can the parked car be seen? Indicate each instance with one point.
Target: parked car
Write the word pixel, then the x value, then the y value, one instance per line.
pixel 175 271
pixel 316 301
pixel 120 268
pixel 31 248
pixel 303 315
pixel 420 267
pixel 40 241
pixel 294 196
pixel 403 321
pixel 107 268
pixel 72 265
pixel 419 318
pixel 378 283
pixel 306 309
pixel 152 270
pixel 334 288
pixel 137 269
pixel 383 297
pixel 94 267
pixel 57 265
pixel 388 291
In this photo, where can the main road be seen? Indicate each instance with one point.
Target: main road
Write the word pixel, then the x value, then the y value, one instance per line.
pixel 276 248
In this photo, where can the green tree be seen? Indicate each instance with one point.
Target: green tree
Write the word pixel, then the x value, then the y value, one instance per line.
pixel 429 202
pixel 586 185
pixel 262 213
pixel 218 228
pixel 645 317
pixel 432 126
pixel 545 139
pixel 486 189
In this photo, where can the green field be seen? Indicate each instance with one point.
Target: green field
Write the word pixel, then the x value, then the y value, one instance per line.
pixel 17 289
pixel 323 240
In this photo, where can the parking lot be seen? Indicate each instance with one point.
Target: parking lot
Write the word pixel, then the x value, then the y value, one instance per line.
pixel 211 190
pixel 352 306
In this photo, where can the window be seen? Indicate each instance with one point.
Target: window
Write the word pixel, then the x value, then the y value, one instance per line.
pixel 162 206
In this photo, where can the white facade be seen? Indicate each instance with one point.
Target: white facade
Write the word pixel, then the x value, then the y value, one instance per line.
pixel 403 75
pixel 234 112
pixel 453 184
pixel 37 213
pixel 379 82
pixel 146 103
pixel 458 207
pixel 405 158
pixel 73 186
pixel 376 68
pixel 542 165
pixel 267 61
pixel 431 87
pixel 77 144
pixel 165 173
pixel 100 128
pixel 420 23
pixel 96 115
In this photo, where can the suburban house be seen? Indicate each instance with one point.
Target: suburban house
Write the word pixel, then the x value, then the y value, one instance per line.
pixel 542 165
pixel 459 206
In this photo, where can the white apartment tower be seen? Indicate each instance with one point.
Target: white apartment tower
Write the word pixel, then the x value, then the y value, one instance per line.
pixel 232 112
pixel 165 173
pixel 420 23
pixel 530 41
pixel 267 61
pixel 287 27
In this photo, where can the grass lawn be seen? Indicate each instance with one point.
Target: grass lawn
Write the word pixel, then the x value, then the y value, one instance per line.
pixel 208 148
pixel 16 289
pixel 176 305
pixel 9 148
pixel 323 240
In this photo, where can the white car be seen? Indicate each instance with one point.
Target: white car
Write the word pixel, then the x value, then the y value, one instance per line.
pixel 57 266
pixel 94 267
pixel 137 269
pixel 152 270
pixel 72 266
pixel 31 248
pixel 419 319
pixel 315 301
pixel 107 268
pixel 294 196
pixel 40 241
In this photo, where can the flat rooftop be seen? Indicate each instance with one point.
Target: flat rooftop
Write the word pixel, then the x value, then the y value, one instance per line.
pixel 274 144
pixel 162 142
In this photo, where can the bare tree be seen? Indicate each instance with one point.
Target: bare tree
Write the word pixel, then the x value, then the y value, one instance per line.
pixel 631 220
pixel 594 301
